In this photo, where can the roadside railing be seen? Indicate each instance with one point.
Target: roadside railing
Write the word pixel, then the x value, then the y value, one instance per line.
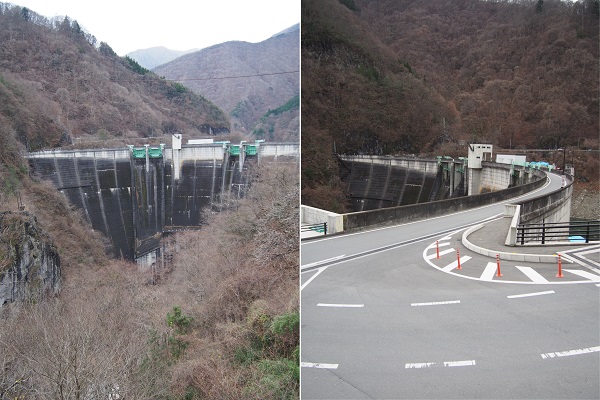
pixel 579 232
pixel 319 228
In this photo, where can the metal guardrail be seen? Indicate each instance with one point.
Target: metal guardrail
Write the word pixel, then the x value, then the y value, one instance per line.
pixel 320 228
pixel 581 232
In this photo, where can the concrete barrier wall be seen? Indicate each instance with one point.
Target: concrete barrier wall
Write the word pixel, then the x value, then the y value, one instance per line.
pixel 552 207
pixel 312 215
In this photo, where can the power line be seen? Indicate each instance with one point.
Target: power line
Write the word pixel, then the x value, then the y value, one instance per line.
pixel 232 77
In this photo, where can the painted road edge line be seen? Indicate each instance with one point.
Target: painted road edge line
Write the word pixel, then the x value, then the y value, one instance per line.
pixel 515 296
pixel 340 305
pixel 318 365
pixel 466 363
pixel 435 303
pixel 575 352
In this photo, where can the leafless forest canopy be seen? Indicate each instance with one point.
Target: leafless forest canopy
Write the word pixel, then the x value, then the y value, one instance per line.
pixel 425 77
pixel 220 321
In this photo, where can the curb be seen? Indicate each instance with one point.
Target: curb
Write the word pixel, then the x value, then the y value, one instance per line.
pixel 536 258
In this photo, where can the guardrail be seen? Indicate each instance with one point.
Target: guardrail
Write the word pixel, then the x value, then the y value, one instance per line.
pixel 578 232
pixel 319 228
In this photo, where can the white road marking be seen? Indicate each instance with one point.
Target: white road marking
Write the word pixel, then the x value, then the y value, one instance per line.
pixel 590 261
pixel 313 277
pixel 532 274
pixel 432 246
pixel 598 284
pixel 321 262
pixel 318 365
pixel 584 274
pixel 489 271
pixel 515 296
pixel 466 363
pixel 454 264
pixel 419 365
pixel 571 352
pixel 340 305
pixel 435 303
pixel 434 255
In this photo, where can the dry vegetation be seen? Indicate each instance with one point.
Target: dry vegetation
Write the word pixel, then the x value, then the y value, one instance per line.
pixel 58 85
pixel 223 321
pixel 424 77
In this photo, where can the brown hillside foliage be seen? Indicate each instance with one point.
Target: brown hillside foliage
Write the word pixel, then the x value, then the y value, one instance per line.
pixel 386 77
pixel 235 282
pixel 57 84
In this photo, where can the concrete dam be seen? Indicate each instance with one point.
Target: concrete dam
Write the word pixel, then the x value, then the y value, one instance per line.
pixel 134 195
pixel 375 182
pixel 379 182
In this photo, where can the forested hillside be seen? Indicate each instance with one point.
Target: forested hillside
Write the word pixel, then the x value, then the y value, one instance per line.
pixel 220 321
pixel 423 77
pixel 57 85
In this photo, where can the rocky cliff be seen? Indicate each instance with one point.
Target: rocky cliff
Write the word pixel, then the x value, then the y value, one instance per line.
pixel 29 262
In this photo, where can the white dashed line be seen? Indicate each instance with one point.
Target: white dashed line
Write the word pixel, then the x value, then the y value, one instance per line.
pixel 318 365
pixel 466 363
pixel 340 305
pixel 435 303
pixel 516 296
pixel 571 352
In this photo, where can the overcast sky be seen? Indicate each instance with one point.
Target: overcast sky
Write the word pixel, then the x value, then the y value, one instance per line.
pixel 128 25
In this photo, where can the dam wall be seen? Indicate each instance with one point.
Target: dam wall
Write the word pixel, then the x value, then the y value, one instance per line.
pixel 133 200
pixel 380 182
pixel 380 188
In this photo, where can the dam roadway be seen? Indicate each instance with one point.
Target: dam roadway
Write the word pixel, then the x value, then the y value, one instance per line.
pixel 383 318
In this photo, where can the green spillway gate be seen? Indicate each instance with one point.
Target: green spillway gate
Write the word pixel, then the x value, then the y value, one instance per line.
pixel 234 150
pixel 155 152
pixel 139 152
pixel 251 150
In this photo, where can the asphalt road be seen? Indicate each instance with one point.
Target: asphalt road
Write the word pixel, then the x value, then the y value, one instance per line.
pixel 380 321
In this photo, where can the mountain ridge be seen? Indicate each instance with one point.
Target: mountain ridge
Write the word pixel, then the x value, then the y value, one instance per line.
pixel 244 79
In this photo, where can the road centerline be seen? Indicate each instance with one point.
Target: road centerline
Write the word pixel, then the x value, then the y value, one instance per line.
pixel 340 305
pixel 435 303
